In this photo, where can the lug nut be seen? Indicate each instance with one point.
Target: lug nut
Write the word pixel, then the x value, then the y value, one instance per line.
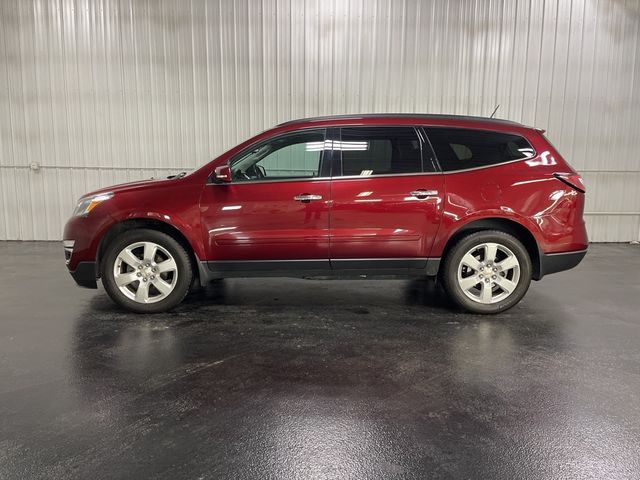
pixel 144 279
pixel 139 267
pixel 139 274
pixel 154 269
pixel 153 277
pixel 495 269
pixel 481 276
pixel 494 277
pixel 486 280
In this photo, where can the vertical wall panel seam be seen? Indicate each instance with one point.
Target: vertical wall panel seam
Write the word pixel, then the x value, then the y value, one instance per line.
pixel 354 54
pixel 11 125
pixel 580 77
pixel 553 62
pixel 566 68
pixel 27 149
pixel 500 39
pixel 526 57
pixel 540 53
pixel 593 70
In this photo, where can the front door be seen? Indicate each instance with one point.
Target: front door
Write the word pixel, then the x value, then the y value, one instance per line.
pixel 387 200
pixel 274 215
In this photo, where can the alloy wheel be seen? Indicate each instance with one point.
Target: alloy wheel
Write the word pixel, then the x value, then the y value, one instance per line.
pixel 145 272
pixel 488 273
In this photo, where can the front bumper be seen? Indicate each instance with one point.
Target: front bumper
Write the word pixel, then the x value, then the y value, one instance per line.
pixel 81 239
pixel 559 262
pixel 67 245
pixel 85 275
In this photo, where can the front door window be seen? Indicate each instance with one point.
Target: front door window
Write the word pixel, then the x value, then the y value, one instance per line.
pixel 288 157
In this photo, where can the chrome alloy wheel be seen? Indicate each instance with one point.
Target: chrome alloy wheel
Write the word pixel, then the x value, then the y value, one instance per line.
pixel 145 272
pixel 488 273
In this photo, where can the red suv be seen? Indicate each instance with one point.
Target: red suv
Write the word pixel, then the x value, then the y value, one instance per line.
pixel 485 205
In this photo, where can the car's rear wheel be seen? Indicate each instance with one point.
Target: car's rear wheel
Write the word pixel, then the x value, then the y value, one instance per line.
pixel 487 272
pixel 146 271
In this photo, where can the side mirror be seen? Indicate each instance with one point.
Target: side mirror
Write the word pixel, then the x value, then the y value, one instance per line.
pixel 222 174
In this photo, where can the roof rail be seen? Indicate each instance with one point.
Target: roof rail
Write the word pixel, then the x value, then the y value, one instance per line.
pixel 424 116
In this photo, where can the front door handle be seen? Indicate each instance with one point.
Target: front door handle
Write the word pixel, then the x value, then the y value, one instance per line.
pixel 307 197
pixel 421 193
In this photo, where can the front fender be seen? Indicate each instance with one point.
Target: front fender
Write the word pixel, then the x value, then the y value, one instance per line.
pixel 189 229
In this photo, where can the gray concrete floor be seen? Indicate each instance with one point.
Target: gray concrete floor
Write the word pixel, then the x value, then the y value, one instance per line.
pixel 284 378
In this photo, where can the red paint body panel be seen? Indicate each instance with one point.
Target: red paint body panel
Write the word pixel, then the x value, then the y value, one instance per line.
pixel 524 192
pixel 262 221
pixel 267 224
pixel 174 202
pixel 379 218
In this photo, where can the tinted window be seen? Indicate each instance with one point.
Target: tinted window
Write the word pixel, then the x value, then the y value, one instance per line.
pixel 296 155
pixel 379 150
pixel 458 149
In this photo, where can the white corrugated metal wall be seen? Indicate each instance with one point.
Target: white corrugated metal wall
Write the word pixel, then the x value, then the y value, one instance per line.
pixel 95 92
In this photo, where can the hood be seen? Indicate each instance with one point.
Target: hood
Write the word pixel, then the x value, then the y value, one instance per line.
pixel 129 186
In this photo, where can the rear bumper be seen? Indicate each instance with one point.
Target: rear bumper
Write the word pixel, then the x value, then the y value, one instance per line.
pixel 85 275
pixel 558 262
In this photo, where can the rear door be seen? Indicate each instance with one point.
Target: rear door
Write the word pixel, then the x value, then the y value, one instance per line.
pixel 386 199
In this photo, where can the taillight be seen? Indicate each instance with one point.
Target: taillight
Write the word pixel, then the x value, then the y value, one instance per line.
pixel 572 179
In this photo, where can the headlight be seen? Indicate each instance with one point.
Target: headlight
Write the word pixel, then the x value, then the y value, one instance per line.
pixel 85 205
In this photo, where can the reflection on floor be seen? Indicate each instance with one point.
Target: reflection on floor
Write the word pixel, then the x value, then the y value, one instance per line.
pixel 285 378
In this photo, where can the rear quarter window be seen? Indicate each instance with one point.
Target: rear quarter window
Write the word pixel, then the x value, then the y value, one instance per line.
pixel 460 149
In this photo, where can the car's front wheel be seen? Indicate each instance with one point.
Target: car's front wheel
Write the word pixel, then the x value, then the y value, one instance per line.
pixel 487 272
pixel 146 271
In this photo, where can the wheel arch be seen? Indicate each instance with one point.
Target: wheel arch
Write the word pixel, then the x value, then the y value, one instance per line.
pixel 152 224
pixel 511 227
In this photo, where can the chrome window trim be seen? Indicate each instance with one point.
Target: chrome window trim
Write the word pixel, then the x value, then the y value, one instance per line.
pixel 386 175
pixel 362 177
pixel 422 135
pixel 285 180
pixel 487 166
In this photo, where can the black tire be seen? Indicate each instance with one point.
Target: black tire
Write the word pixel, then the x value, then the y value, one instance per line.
pixel 177 251
pixel 449 272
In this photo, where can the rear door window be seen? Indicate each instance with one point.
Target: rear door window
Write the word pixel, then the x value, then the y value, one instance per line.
pixel 370 151
pixel 460 149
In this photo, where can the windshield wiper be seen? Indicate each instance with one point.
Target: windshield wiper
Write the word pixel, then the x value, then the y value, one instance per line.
pixel 179 175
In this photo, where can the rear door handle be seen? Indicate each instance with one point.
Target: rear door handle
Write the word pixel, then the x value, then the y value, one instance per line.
pixel 307 197
pixel 423 193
